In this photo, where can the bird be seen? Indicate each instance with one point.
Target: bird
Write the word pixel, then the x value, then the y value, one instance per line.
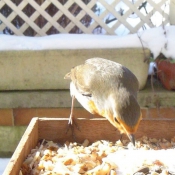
pixel 108 89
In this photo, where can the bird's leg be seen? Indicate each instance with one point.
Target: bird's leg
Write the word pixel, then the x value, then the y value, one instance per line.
pixel 121 140
pixel 72 110
pixel 121 137
pixel 71 121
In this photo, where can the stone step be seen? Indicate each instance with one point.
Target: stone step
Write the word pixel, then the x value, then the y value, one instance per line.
pixel 147 97
pixel 45 69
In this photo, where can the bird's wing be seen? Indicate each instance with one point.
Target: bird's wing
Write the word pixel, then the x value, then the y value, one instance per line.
pixel 130 82
pixel 81 77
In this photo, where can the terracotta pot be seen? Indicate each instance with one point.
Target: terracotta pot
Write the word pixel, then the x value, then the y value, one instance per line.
pixel 166 73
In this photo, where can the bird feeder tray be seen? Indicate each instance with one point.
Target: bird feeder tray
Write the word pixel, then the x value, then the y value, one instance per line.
pixel 92 129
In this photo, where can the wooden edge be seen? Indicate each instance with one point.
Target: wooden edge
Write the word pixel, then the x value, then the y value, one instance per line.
pixel 100 129
pixel 67 119
pixel 92 129
pixel 28 141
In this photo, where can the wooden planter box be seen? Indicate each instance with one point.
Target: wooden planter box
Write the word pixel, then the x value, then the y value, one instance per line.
pixel 92 129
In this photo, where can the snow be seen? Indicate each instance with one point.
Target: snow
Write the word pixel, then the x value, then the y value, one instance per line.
pixel 158 40
pixel 66 41
pixel 3 164
pixel 151 70
pixel 129 161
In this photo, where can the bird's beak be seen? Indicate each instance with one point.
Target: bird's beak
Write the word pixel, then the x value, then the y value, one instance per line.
pixel 132 138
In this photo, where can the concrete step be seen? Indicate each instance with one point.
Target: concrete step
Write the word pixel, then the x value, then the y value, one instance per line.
pixel 17 108
pixel 45 69
pixel 148 97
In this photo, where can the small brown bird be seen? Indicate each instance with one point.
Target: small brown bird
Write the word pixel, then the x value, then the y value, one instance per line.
pixel 108 89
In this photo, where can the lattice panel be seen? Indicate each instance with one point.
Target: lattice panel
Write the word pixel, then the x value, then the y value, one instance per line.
pixel 44 17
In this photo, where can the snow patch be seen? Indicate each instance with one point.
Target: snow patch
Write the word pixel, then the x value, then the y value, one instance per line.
pixel 158 40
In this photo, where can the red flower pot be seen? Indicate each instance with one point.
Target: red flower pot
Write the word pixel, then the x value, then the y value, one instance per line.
pixel 166 73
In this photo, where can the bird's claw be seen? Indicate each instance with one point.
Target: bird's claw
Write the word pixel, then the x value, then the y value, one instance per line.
pixel 70 121
pixel 71 124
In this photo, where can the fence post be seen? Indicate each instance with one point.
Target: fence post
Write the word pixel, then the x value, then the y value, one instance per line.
pixel 172 12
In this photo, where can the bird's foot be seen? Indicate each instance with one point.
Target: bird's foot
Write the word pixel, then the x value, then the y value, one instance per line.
pixel 70 122
pixel 121 137
pixel 71 126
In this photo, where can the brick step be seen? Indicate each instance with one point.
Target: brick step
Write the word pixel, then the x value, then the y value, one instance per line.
pixel 22 116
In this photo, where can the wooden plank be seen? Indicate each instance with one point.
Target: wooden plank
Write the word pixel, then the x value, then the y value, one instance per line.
pixel 93 129
pixel 48 25
pixel 142 23
pixel 100 129
pixel 140 15
pixel 2 26
pixel 34 16
pixel 157 7
pixel 10 25
pixel 146 19
pixel 66 12
pixel 119 22
pixel 14 14
pixel 23 16
pixel 2 3
pixel 71 17
pixel 46 16
pixel 57 16
pixel 102 16
pixel 28 141
pixel 94 16
pixel 93 25
pixel 118 16
pixel 122 19
pixel 72 24
pixel 68 3
pixel 98 20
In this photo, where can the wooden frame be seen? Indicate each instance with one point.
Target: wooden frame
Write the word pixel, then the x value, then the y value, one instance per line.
pixel 86 9
pixel 91 129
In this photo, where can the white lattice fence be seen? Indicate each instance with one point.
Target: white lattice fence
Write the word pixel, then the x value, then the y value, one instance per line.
pixel 43 17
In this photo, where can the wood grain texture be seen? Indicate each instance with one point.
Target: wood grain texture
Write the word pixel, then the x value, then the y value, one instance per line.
pixel 99 20
pixel 100 128
pixel 28 141
pixel 93 129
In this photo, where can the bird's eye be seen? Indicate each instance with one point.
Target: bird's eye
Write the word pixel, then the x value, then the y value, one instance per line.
pixel 116 120
pixel 88 95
